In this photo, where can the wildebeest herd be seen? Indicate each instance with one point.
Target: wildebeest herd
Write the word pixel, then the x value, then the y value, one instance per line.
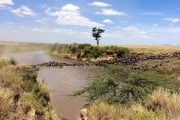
pixel 126 60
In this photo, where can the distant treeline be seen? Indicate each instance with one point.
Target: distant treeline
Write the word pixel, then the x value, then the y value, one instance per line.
pixel 87 51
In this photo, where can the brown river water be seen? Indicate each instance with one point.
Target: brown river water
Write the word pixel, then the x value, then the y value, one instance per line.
pixel 61 81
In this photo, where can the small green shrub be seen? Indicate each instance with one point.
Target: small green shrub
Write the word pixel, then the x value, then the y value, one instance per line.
pixel 74 49
pixel 115 91
pixel 92 52
pixel 28 73
pixel 122 51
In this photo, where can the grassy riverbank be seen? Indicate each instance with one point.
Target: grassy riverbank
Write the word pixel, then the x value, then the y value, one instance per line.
pixel 122 92
pixel 21 96
pixel 86 51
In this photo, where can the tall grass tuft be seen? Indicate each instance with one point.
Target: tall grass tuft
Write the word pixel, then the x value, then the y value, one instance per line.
pixel 160 105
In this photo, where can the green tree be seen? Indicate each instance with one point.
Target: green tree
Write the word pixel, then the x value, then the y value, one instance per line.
pixel 96 33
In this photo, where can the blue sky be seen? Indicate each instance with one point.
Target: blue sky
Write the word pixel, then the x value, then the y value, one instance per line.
pixel 68 21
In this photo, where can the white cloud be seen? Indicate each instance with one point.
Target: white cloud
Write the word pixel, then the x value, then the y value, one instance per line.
pixel 107 21
pixel 23 11
pixel 111 12
pixel 172 20
pixel 6 2
pixel 120 35
pixel 155 25
pixel 130 33
pixel 135 35
pixel 99 4
pixel 70 7
pixel 70 15
pixel 63 34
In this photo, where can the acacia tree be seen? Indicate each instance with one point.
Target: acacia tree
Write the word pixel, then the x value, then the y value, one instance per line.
pixel 96 33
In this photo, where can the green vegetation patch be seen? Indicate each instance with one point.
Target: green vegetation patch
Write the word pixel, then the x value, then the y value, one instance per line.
pixel 87 51
pixel 121 84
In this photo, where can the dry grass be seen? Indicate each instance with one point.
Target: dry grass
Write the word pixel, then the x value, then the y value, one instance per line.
pixel 103 111
pixel 9 78
pixel 160 105
pixel 6 104
pixel 168 103
pixel 152 49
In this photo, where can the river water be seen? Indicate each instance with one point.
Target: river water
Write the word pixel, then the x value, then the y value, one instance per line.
pixel 61 81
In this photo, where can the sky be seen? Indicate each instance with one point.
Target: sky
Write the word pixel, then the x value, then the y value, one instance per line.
pixel 134 22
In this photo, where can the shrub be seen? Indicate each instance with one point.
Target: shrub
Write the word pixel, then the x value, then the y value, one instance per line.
pixel 118 85
pixel 27 72
pixel 13 61
pixel 29 75
pixel 122 51
pixel 74 49
pixel 92 52
pixel 87 51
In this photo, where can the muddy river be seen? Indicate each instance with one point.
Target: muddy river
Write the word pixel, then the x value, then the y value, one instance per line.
pixel 61 81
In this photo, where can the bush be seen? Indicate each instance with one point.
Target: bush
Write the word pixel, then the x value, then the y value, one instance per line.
pixel 74 49
pixel 87 51
pixel 118 85
pixel 122 51
pixel 13 61
pixel 28 73
pixel 92 52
